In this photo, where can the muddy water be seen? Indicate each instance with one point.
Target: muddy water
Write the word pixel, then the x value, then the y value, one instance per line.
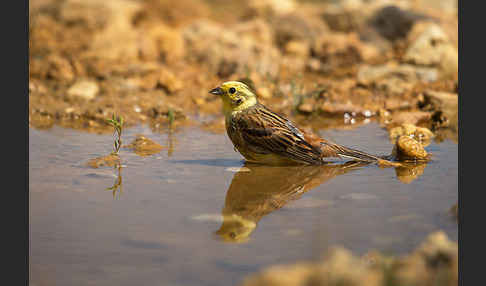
pixel 195 214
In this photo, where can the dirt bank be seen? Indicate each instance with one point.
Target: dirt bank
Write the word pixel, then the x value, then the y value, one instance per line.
pixel 347 61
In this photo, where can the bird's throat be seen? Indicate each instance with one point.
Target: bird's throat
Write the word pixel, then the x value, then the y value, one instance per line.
pixel 229 108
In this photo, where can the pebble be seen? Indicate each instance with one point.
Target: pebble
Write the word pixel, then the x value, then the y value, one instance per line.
pixel 86 90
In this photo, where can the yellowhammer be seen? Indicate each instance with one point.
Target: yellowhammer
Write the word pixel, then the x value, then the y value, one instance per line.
pixel 265 137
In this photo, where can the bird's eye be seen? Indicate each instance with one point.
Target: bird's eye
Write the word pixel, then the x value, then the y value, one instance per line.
pixel 232 90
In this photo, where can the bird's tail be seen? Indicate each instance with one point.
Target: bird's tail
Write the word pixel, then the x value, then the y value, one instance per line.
pixel 346 152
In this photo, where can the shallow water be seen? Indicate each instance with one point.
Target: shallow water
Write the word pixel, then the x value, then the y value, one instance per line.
pixel 195 214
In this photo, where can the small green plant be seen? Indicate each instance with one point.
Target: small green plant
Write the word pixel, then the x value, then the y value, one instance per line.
pixel 171 116
pixel 117 123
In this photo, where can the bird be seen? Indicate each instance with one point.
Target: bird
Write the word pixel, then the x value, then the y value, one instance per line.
pixel 264 137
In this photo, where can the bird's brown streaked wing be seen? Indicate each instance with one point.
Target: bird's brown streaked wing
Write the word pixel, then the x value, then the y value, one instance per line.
pixel 267 132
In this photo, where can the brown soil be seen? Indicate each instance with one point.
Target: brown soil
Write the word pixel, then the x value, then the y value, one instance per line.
pixel 145 60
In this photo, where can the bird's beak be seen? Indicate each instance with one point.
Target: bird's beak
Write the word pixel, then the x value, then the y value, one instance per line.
pixel 216 91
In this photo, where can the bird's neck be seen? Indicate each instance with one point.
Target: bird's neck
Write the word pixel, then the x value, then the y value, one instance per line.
pixel 230 109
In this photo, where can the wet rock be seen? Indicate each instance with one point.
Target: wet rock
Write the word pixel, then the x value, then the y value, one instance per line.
pixel 394 23
pixel 421 134
pixel 435 260
pixel 408 173
pixel 409 117
pixel 83 90
pixel 109 160
pixel 430 46
pixel 144 146
pixel 41 120
pixel 444 101
pixel 445 106
pixel 407 148
pixel 226 52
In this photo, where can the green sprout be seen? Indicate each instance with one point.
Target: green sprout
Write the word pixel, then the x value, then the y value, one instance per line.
pixel 171 116
pixel 117 123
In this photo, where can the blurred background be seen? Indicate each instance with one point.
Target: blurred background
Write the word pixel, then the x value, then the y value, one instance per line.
pixel 351 59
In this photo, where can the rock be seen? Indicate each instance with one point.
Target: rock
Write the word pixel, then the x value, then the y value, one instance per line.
pixel 109 160
pixel 447 6
pixel 394 23
pixel 59 68
pixel 169 81
pixel 445 106
pixel 306 107
pixel 435 260
pixel 268 8
pixel 226 52
pixel 84 90
pixel 144 146
pixel 409 117
pixel 161 42
pixel 91 13
pixel 430 46
pixel 421 134
pixel 337 50
pixel 407 148
pixel 174 13
pixel 298 26
pixel 297 48
pixel 119 40
pixel 395 79
pixel 345 17
pixel 369 74
pixel 445 101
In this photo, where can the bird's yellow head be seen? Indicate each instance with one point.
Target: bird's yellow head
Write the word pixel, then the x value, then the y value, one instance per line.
pixel 236 96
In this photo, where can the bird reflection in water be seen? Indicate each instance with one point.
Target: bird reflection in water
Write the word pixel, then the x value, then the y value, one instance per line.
pixel 257 190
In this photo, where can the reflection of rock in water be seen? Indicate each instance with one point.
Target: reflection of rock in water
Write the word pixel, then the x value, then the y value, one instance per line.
pixel 408 172
pixel 264 189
